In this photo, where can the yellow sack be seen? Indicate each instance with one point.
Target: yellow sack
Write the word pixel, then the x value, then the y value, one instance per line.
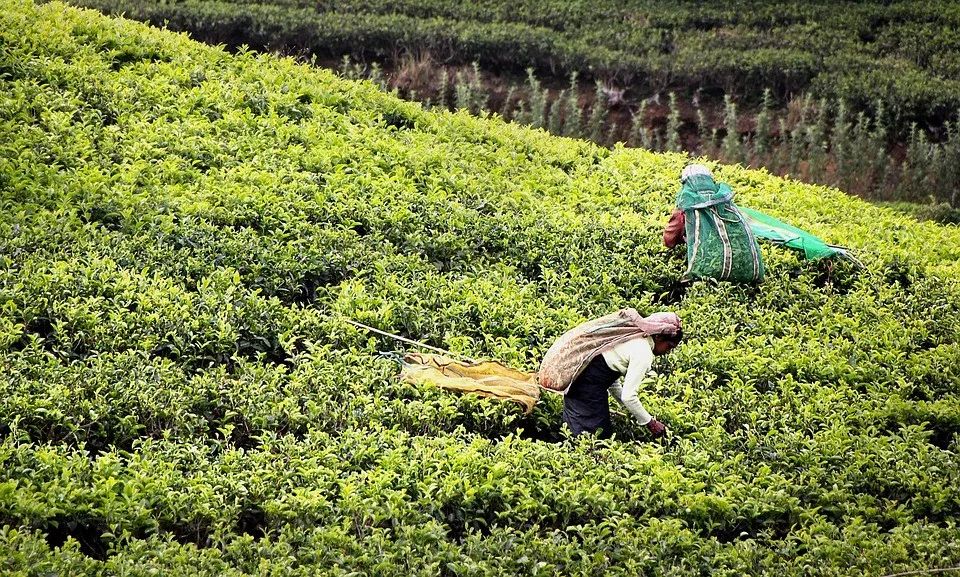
pixel 484 378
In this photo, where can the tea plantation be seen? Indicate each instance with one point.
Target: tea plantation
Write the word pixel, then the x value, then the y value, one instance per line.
pixel 184 233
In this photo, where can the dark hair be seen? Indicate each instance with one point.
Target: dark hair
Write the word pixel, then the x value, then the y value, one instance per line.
pixel 673 339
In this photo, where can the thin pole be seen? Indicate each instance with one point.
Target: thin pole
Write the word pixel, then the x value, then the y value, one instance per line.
pixel 409 341
pixel 923 572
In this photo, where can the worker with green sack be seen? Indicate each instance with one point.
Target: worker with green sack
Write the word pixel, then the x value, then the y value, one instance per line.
pixel 720 242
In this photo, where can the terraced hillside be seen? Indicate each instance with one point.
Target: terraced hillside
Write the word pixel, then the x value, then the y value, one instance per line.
pixel 184 232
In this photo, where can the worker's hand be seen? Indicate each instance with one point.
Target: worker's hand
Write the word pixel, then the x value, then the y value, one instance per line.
pixel 656 428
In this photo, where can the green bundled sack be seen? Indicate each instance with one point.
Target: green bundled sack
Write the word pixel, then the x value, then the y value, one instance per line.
pixel 720 243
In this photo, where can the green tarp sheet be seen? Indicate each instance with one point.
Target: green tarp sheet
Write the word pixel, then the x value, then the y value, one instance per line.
pixel 765 226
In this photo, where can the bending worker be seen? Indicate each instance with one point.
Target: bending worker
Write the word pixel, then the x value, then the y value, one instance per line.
pixel 587 361
pixel 720 242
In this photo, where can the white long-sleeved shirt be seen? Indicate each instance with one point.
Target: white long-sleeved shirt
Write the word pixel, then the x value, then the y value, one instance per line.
pixel 633 360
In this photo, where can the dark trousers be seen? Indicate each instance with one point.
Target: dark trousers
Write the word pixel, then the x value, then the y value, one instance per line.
pixel 586 406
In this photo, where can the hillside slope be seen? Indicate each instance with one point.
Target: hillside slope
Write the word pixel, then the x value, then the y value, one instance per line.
pixel 184 231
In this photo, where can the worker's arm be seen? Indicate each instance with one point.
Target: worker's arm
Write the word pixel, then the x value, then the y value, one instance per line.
pixel 627 392
pixel 675 232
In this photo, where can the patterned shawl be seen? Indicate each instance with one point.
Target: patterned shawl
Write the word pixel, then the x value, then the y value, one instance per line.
pixel 574 350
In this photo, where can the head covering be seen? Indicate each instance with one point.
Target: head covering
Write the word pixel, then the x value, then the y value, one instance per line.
pixel 693 170
pixel 665 323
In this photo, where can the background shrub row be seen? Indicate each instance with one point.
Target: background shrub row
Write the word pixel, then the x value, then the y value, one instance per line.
pixel 904 53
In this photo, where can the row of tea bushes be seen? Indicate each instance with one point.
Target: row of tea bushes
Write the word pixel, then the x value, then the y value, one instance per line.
pixel 903 53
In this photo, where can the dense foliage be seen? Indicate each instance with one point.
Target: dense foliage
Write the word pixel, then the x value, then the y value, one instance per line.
pixel 183 232
pixel 818 141
pixel 906 52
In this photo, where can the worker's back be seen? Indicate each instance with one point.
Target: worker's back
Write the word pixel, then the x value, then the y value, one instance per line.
pixel 720 244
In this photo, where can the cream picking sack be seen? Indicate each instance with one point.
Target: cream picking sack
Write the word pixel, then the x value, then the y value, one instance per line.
pixel 574 350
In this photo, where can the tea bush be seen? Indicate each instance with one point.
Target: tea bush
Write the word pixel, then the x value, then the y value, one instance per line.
pixel 851 99
pixel 184 232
